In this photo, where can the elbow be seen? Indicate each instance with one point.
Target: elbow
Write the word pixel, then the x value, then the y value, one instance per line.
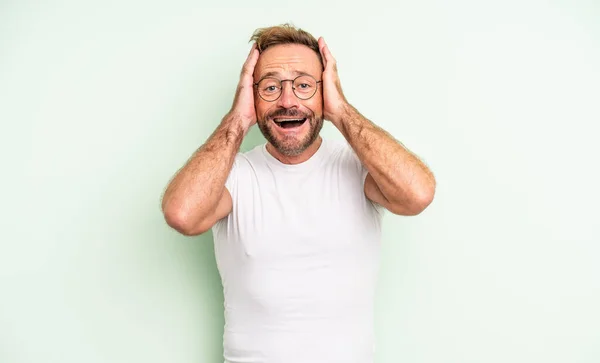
pixel 422 203
pixel 423 199
pixel 413 206
pixel 180 221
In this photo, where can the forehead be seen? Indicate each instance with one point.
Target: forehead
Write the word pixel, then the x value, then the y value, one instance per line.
pixel 286 61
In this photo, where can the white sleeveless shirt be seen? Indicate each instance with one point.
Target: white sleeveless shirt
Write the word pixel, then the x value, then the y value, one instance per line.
pixel 298 258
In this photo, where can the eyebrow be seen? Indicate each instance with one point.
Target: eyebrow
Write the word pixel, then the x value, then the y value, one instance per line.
pixel 275 73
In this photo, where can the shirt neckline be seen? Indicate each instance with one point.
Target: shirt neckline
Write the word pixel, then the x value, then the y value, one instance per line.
pixel 303 166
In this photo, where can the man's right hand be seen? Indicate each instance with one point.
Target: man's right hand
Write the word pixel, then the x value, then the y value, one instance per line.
pixel 196 198
pixel 243 103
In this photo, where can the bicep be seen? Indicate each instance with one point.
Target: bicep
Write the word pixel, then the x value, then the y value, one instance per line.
pixel 374 194
pixel 222 209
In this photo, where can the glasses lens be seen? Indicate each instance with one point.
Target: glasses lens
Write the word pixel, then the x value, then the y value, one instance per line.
pixel 305 87
pixel 269 88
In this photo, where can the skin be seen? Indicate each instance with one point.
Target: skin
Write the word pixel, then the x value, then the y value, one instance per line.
pixel 287 62
pixel 397 179
pixel 196 197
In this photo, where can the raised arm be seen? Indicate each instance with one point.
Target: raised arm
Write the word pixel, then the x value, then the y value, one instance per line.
pixel 196 197
pixel 397 179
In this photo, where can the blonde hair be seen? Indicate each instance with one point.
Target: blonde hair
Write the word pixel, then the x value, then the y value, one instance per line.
pixel 284 34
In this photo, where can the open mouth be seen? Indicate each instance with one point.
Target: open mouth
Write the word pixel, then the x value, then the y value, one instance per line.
pixel 289 123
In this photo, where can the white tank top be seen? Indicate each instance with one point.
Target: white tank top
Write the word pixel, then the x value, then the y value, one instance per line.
pixel 298 258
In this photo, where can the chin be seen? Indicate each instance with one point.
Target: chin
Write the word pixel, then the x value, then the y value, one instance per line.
pixel 293 144
pixel 291 150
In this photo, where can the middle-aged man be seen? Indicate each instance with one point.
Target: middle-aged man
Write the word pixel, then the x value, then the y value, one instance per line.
pixel 296 221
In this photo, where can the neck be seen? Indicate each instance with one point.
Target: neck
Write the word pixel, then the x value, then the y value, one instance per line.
pixel 296 159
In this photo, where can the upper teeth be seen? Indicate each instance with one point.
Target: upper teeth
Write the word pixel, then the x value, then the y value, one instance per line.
pixel 290 120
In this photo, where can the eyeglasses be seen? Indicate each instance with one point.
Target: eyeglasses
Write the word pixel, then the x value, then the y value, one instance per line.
pixel 304 87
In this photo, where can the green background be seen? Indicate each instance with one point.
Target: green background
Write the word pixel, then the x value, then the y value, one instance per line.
pixel 101 102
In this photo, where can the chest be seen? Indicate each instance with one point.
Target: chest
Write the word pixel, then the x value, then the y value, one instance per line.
pixel 290 217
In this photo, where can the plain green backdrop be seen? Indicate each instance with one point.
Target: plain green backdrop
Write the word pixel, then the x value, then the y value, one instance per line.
pixel 101 103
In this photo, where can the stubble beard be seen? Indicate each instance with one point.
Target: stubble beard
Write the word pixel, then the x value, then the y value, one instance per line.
pixel 291 145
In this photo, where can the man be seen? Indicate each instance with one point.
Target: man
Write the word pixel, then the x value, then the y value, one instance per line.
pixel 296 221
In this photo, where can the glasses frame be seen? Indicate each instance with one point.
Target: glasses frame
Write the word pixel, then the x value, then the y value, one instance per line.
pixel 293 88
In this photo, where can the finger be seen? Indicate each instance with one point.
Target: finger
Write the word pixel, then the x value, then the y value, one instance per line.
pixel 327 54
pixel 330 60
pixel 252 48
pixel 251 59
pixel 321 45
pixel 250 63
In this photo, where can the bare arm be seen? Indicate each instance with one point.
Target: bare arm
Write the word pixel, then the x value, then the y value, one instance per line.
pixel 196 197
pixel 397 179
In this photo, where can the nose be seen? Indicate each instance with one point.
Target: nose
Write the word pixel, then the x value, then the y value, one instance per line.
pixel 287 99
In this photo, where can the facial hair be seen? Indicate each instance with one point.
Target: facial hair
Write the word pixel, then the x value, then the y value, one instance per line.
pixel 290 145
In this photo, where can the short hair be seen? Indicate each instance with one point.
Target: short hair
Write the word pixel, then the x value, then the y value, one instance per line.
pixel 284 34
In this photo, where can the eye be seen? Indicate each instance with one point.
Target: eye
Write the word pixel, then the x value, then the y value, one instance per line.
pixel 270 89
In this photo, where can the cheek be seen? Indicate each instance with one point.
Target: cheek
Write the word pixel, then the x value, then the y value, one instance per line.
pixel 316 105
pixel 261 108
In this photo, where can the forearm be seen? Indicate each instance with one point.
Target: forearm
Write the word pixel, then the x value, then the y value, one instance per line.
pixel 197 187
pixel 401 177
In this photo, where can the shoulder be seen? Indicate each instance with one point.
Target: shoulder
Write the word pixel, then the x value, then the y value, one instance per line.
pixel 341 152
pixel 352 172
pixel 249 158
pixel 244 162
pixel 337 145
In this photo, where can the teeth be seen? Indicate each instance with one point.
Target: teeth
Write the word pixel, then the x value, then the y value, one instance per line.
pixel 300 119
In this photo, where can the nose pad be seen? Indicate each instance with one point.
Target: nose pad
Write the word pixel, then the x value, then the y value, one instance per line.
pixel 288 97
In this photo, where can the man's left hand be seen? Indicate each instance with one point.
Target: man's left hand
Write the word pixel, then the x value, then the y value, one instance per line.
pixel 334 102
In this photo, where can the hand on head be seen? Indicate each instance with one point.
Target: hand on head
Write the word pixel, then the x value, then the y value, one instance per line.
pixel 333 96
pixel 334 100
pixel 243 103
